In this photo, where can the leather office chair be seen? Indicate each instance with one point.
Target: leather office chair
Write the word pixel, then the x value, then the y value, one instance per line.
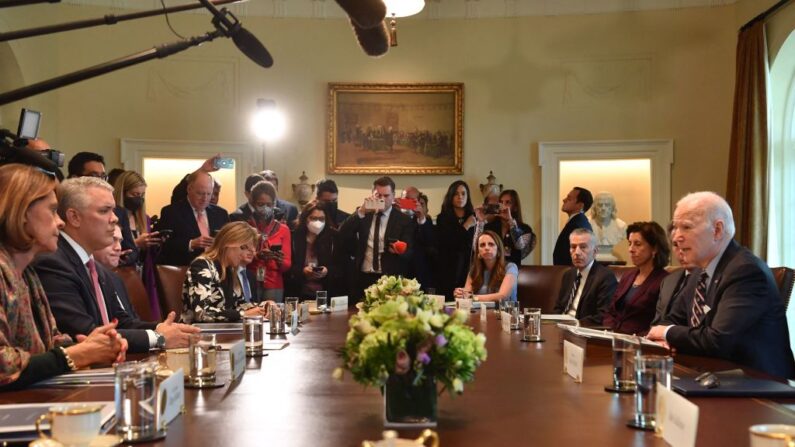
pixel 169 287
pixel 539 285
pixel 136 291
pixel 785 280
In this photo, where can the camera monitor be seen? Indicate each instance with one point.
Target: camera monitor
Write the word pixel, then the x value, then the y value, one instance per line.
pixel 29 124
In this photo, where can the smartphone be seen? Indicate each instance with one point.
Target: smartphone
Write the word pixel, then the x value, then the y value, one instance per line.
pixel 165 234
pixel 492 208
pixel 371 203
pixel 407 204
pixel 224 163
pixel 276 248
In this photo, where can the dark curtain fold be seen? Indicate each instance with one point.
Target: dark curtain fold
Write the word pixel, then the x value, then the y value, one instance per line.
pixel 747 190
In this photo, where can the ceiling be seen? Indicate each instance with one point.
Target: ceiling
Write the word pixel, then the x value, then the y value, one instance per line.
pixel 434 9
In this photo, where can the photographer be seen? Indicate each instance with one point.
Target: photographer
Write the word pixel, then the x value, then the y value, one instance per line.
pixel 415 204
pixel 505 219
pixel 274 253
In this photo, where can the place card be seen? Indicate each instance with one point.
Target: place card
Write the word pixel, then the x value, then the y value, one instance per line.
pixel 573 360
pixel 677 418
pixel 339 303
pixel 439 300
pixel 237 358
pixel 506 321
pixel 170 398
pixel 482 313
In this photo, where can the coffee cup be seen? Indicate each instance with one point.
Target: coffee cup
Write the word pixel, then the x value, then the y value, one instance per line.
pixel 72 425
pixel 772 435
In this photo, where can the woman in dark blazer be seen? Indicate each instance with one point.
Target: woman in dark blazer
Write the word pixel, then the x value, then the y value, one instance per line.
pixel 455 230
pixel 313 266
pixel 634 303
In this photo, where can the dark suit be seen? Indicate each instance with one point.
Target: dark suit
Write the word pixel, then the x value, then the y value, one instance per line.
pixel 71 296
pixel 673 287
pixel 324 251
pixel 425 254
pixel 179 217
pixel 242 214
pixel 746 323
pixel 356 231
pixel 595 297
pixel 561 254
pixel 633 316
pixel 290 212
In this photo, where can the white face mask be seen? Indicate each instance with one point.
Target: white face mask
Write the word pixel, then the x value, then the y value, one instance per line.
pixel 315 226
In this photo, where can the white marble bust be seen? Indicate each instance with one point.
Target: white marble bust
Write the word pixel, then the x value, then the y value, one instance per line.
pixel 609 229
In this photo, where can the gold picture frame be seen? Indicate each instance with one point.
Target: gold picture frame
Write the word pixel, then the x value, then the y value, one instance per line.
pixel 395 128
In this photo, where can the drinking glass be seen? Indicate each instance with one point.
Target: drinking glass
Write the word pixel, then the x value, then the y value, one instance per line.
pixel 649 371
pixel 202 354
pixel 252 334
pixel 321 300
pixel 532 324
pixel 515 315
pixel 135 400
pixel 624 349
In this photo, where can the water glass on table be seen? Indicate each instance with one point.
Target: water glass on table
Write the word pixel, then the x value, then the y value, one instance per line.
pixel 321 300
pixel 531 325
pixel 624 349
pixel 135 393
pixel 252 335
pixel 202 355
pixel 649 371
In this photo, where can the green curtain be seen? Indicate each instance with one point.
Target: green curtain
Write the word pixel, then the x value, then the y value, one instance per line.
pixel 747 190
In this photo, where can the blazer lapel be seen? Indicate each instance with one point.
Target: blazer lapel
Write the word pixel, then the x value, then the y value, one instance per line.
pixel 80 269
pixel 187 212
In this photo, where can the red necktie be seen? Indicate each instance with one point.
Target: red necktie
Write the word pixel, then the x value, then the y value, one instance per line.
pixel 201 219
pixel 92 270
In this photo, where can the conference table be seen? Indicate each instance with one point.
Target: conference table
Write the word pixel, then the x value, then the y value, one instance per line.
pixel 520 397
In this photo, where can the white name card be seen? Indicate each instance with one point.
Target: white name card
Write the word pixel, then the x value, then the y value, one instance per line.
pixel 237 358
pixel 339 303
pixel 677 418
pixel 464 304
pixel 170 398
pixel 573 360
pixel 505 319
pixel 483 313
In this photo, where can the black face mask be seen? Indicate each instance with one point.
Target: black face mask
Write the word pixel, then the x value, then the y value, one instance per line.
pixel 331 207
pixel 133 203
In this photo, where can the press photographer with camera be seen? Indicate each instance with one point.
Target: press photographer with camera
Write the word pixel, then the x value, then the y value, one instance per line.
pixel 504 218
pixel 274 248
pixel 415 204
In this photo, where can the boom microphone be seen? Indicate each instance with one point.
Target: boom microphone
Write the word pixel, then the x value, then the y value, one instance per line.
pixel 365 13
pixel 374 41
pixel 226 22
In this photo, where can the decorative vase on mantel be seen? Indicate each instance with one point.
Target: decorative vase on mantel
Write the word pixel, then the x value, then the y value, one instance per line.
pixel 406 404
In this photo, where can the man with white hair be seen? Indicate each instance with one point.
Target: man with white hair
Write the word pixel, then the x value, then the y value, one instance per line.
pixel 736 312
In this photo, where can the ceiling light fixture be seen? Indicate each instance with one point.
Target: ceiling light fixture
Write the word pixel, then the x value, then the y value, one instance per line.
pixel 400 8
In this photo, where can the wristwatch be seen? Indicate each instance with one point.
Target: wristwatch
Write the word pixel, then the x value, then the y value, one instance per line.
pixel 161 341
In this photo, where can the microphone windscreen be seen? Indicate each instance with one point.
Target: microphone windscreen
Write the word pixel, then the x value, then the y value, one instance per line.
pixel 374 41
pixel 252 47
pixel 365 13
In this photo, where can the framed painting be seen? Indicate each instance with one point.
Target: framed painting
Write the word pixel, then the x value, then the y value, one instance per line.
pixel 395 128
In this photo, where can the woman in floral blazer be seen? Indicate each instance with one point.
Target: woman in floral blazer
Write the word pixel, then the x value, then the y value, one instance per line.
pixel 212 291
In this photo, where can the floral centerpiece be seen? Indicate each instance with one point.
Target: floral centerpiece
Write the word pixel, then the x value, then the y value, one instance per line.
pixel 403 341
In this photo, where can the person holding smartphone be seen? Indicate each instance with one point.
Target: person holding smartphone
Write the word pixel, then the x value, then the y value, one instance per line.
pixel 504 218
pixel 140 244
pixel 313 245
pixel 274 249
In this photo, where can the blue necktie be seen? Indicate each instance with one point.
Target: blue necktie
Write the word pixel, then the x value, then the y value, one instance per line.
pixel 245 285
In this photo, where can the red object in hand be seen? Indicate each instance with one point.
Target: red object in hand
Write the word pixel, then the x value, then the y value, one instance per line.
pixel 399 247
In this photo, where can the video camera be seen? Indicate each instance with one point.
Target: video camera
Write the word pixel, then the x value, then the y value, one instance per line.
pixel 13 147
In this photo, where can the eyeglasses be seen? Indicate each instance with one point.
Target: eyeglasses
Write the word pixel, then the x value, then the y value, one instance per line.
pixel 99 176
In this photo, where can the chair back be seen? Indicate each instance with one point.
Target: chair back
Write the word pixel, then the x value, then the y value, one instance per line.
pixel 136 291
pixel 539 285
pixel 785 279
pixel 169 287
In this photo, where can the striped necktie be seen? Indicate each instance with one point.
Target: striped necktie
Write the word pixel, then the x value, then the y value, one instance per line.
pixel 573 292
pixel 699 301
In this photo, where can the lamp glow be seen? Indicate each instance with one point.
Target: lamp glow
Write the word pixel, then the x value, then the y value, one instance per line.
pixel 403 8
pixel 268 123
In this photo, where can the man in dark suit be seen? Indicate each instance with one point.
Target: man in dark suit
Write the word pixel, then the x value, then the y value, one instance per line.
pixel 81 294
pixel 376 235
pixel 576 203
pixel 193 221
pixel 679 284
pixel 290 211
pixel 588 287
pixel 736 312
pixel 326 191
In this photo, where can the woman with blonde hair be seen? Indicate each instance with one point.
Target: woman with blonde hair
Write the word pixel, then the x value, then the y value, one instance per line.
pixel 213 291
pixel 139 242
pixel 490 278
pixel 31 347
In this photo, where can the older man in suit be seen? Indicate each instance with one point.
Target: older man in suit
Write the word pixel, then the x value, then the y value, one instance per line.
pixel 193 222
pixel 80 293
pixel 576 203
pixel 374 233
pixel 736 312
pixel 588 287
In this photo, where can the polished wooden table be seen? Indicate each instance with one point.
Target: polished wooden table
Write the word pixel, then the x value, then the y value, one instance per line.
pixel 520 397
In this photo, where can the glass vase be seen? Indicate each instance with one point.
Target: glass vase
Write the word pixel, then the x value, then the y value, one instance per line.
pixel 407 405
